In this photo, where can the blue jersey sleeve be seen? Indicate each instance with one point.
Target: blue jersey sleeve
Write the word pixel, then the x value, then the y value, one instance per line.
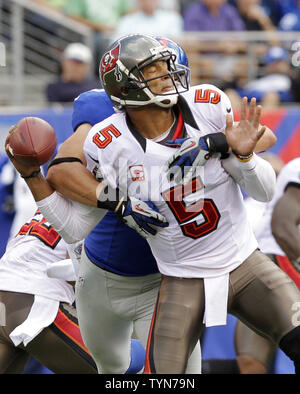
pixel 91 107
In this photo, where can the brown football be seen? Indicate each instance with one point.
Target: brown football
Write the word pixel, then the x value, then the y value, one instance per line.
pixel 33 141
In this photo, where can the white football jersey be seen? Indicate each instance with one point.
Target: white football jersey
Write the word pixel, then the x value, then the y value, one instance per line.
pixel 208 233
pixel 23 267
pixel 290 173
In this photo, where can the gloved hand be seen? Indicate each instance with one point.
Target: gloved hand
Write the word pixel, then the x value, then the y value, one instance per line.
pixel 141 216
pixel 137 214
pixel 193 152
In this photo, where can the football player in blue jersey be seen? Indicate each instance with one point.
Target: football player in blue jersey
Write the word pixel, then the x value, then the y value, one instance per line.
pixel 123 265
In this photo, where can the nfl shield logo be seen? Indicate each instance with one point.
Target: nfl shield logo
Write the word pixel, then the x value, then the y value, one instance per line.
pixel 137 172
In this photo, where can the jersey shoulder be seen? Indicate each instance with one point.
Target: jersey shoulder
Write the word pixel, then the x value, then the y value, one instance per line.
pixel 91 107
pixel 115 120
pixel 290 173
pixel 105 132
pixel 206 94
pixel 209 104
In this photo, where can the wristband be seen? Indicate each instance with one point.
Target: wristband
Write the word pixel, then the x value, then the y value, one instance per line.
pixel 216 143
pixel 32 175
pixel 243 158
pixel 109 198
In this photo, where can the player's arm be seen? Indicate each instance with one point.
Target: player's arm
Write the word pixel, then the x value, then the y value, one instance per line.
pixel 73 221
pixel 72 179
pixel 285 222
pixel 254 174
pixel 267 140
pixel 76 177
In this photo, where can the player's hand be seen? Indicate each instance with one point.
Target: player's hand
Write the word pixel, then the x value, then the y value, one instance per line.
pixel 193 152
pixel 21 168
pixel 142 216
pixel 243 136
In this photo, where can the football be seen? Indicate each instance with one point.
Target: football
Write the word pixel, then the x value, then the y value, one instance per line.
pixel 32 141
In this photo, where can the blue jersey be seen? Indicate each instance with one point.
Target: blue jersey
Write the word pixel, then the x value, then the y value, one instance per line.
pixel 111 245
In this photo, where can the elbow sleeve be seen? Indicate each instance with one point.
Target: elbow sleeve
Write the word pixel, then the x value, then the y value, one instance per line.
pixel 73 221
pixel 258 178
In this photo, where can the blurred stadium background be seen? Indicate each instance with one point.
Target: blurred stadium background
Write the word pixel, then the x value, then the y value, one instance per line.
pixel 33 35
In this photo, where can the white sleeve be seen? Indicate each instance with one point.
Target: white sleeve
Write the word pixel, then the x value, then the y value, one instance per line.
pixel 256 177
pixel 72 220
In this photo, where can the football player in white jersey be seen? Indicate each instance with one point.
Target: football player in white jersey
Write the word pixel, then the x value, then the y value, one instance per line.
pixel 278 235
pixel 282 220
pixel 208 237
pixel 127 278
pixel 36 313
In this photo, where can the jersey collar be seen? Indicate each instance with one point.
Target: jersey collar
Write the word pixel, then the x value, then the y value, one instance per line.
pixel 183 115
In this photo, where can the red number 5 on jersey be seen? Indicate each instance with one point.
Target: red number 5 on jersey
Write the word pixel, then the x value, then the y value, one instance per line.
pixel 207 96
pixel 105 136
pixel 174 197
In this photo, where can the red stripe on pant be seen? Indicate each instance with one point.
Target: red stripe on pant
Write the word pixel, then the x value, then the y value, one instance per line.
pixel 70 329
pixel 285 264
pixel 149 351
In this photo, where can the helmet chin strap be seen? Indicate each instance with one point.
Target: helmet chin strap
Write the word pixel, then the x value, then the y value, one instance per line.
pixel 165 101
